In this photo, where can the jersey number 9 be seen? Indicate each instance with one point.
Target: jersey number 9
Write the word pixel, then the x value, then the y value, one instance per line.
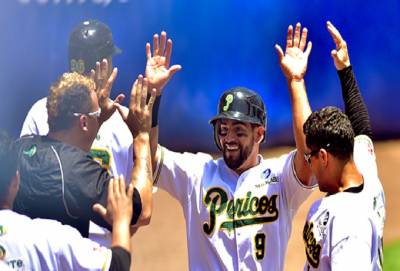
pixel 259 244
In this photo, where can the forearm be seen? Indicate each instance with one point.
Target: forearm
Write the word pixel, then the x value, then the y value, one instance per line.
pixel 155 153
pixel 300 112
pixel 121 235
pixel 142 175
pixel 355 107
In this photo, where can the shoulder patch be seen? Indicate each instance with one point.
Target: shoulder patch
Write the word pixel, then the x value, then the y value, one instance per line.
pixel 31 151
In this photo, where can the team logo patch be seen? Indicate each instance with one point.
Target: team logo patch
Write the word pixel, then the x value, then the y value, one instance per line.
pixel 265 174
pixel 240 212
pixel 228 101
pixel 268 178
pixel 322 224
pixel 31 151
pixel 77 65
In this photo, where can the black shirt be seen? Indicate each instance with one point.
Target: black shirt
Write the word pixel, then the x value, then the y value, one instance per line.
pixel 61 182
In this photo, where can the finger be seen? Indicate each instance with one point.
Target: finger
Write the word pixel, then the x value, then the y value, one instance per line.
pixel 143 94
pixel 155 45
pixel 309 47
pixel 303 40
pixel 279 52
pixel 116 192
pixel 174 69
pixel 93 74
pixel 150 104
pixel 110 191
pixel 148 50
pixel 100 209
pixel 122 190
pixel 109 83
pixel 97 72
pixel 337 38
pixel 163 42
pixel 130 191
pixel 296 39
pixel 139 90
pixel 132 99
pixel 289 37
pixel 104 68
pixel 168 53
pixel 119 99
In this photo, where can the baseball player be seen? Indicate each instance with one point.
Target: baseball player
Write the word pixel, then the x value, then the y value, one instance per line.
pixel 238 208
pixel 42 244
pixel 90 42
pixel 59 180
pixel 344 230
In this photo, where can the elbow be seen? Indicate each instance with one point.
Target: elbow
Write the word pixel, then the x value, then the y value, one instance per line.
pixel 145 216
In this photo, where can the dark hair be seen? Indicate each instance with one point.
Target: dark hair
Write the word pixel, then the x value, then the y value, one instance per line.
pixel 8 164
pixel 331 129
pixel 69 94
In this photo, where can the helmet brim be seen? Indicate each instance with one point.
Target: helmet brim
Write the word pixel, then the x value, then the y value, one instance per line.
pixel 232 115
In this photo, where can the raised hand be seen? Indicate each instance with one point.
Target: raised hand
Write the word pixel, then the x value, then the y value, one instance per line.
pixel 138 118
pixel 340 55
pixel 294 61
pixel 158 72
pixel 104 79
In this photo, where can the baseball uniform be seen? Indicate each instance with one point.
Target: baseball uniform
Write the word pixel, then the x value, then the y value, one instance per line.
pixel 112 148
pixel 42 244
pixel 344 231
pixel 234 222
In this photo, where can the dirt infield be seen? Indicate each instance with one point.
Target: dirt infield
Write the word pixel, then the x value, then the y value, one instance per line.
pixel 162 244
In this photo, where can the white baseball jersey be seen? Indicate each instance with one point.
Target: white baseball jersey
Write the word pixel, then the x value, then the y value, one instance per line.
pixel 234 222
pixel 344 231
pixel 42 244
pixel 112 148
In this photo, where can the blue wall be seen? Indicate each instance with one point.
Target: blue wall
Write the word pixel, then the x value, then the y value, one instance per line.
pixel 220 44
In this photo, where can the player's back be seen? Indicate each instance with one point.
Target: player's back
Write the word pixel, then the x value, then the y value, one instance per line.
pixel 340 233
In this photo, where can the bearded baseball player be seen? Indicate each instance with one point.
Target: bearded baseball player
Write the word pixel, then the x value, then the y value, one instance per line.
pixel 43 244
pixel 239 208
pixel 344 230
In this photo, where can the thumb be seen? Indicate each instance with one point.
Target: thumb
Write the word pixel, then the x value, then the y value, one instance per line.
pixel 279 52
pixel 173 69
pixel 98 208
pixel 120 98
pixel 334 54
pixel 122 111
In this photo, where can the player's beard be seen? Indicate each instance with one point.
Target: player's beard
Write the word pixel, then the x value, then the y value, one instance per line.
pixel 234 161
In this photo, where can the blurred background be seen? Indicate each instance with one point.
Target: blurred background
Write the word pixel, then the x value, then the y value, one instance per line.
pixel 220 44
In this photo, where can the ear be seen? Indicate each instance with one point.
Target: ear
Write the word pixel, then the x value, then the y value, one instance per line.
pixel 83 122
pixel 260 133
pixel 323 155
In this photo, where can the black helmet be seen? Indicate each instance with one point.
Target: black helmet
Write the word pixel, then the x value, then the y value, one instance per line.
pixel 240 104
pixel 89 42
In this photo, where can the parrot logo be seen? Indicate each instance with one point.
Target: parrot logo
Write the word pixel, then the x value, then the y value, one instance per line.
pixel 228 101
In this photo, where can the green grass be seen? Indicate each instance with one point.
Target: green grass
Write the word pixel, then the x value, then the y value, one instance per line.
pixel 391 257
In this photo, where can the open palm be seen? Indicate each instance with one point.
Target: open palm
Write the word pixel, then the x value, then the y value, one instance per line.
pixel 158 72
pixel 295 59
